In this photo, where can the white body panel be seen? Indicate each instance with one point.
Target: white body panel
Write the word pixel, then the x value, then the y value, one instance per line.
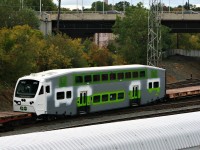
pixel 160 133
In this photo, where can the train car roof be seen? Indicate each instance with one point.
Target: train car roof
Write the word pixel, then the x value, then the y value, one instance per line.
pixel 180 131
pixel 58 72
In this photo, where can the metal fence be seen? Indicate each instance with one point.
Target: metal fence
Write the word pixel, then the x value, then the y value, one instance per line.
pixel 192 53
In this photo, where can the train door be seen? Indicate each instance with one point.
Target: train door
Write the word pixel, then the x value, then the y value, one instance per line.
pixel 135 91
pixel 135 95
pixel 83 105
pixel 41 101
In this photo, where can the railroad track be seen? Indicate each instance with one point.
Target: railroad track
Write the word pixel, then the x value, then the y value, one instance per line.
pixel 185 83
pixel 175 105
pixel 159 109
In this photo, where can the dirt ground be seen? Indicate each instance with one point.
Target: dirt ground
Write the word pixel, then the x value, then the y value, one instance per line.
pixel 177 67
pixel 181 68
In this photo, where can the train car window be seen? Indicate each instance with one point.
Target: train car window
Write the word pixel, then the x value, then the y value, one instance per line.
pixel 128 75
pixel 104 97
pixel 150 85
pixel 79 79
pixel 156 84
pixel 69 94
pixel 113 96
pixel 48 89
pixel 96 78
pixel 112 76
pixel 60 95
pixel 104 77
pixel 120 95
pixel 88 78
pixel 135 74
pixel 142 74
pixel 96 99
pixel 120 75
pixel 41 91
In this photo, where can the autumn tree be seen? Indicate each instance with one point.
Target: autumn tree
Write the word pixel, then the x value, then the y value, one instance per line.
pixel 18 52
pixel 71 49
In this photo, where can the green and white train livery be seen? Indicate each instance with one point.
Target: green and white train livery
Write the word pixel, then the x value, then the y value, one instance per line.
pixel 86 90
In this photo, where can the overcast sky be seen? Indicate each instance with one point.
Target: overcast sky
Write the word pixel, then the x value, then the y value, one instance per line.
pixel 72 4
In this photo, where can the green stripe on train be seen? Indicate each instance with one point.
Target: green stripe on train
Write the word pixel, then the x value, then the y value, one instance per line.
pixel 102 98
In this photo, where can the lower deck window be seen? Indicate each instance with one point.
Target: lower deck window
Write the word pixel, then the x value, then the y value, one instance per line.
pixel 60 95
pixel 120 95
pixel 156 84
pixel 69 94
pixel 105 98
pixel 150 85
pixel 113 96
pixel 96 99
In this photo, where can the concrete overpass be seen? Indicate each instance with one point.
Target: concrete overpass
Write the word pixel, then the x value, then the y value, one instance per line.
pixel 79 24
pixel 179 22
pixel 87 23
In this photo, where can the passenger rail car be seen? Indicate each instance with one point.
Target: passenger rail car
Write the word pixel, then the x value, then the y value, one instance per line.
pixel 86 90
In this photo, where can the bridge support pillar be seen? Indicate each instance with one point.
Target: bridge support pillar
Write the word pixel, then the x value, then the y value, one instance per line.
pixel 46 27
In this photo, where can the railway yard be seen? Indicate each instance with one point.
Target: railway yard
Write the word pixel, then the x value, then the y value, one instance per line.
pixel 184 97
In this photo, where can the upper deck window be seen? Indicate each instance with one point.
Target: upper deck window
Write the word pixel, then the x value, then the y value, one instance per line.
pixel 27 88
pixel 96 78
pixel 104 77
pixel 135 74
pixel 112 76
pixel 128 75
pixel 88 78
pixel 78 79
pixel 120 75
pixel 142 74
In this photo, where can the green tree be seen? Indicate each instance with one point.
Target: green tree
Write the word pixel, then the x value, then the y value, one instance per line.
pixel 98 6
pixel 132 34
pixel 10 18
pixel 47 5
pixel 25 17
pixel 122 5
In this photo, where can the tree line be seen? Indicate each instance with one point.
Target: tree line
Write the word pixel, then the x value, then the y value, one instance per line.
pixel 24 49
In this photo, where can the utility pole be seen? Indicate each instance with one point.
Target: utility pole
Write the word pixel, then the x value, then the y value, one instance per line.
pixel 58 20
pixel 154 53
pixel 40 7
